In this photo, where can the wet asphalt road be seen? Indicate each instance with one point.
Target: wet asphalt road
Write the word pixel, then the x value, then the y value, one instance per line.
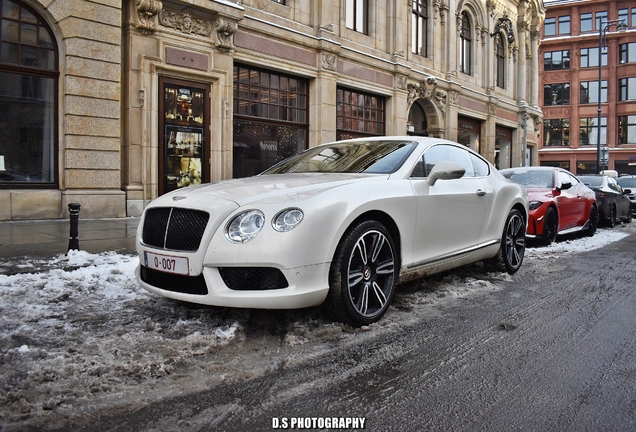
pixel 553 351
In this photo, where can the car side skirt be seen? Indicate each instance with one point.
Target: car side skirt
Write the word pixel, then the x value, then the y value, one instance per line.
pixel 454 259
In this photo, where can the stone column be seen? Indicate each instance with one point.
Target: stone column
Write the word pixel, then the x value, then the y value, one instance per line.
pixel 534 73
pixel 521 64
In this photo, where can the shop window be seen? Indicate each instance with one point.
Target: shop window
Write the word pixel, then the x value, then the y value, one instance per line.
pixel 557 164
pixel 419 24
pixel 556 132
pixel 358 114
pixel 28 101
pixel 357 14
pixel 270 119
pixel 184 127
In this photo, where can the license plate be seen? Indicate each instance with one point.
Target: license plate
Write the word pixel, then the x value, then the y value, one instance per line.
pixel 167 263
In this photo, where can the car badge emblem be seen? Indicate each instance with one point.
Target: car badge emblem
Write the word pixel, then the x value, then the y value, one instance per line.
pixel 178 198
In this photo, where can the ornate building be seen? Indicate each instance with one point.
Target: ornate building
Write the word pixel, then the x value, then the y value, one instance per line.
pixel 137 98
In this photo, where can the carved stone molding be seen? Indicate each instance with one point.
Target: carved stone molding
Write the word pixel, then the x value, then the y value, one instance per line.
pixel 427 89
pixel 329 61
pixel 454 97
pixel 225 29
pixel 401 82
pixel 147 11
pixel 492 109
pixel 185 23
pixel 443 11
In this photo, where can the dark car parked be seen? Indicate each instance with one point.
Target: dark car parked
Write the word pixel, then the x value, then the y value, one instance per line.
pixel 613 203
pixel 629 182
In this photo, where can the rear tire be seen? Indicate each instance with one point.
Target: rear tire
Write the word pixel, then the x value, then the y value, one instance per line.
pixel 363 275
pixel 612 217
pixel 550 227
pixel 593 221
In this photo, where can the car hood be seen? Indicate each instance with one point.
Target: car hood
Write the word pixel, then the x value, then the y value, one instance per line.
pixel 540 194
pixel 271 187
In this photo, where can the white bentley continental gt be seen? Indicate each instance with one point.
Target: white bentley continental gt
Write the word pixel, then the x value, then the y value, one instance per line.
pixel 340 225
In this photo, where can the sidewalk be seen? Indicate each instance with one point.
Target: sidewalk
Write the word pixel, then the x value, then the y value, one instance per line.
pixel 49 238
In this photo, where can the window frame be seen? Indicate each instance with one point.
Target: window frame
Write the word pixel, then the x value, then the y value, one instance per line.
pixel 592 90
pixel 500 56
pixel 627 53
pixel 466 45
pixel 627 87
pixel 355 19
pixel 419 27
pixel 556 89
pixel 562 126
pixel 348 113
pixel 590 130
pixel 51 72
pixel 548 57
pixel 627 129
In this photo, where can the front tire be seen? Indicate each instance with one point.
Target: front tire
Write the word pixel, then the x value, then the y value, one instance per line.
pixel 363 275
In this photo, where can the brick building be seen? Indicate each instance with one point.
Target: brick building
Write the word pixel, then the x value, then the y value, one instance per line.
pixel 111 103
pixel 577 38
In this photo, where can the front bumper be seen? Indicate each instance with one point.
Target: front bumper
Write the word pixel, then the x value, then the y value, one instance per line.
pixel 307 286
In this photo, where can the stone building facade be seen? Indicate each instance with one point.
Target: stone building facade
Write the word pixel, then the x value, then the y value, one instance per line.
pixel 151 95
pixel 575 36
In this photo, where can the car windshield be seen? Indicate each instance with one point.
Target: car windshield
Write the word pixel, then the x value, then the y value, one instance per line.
pixel 627 182
pixel 532 179
pixel 591 180
pixel 374 157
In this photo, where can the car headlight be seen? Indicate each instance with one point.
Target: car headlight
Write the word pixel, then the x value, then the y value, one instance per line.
pixel 287 219
pixel 244 226
pixel 533 205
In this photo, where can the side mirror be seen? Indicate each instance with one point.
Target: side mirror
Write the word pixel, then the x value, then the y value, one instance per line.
pixel 627 191
pixel 445 170
pixel 565 185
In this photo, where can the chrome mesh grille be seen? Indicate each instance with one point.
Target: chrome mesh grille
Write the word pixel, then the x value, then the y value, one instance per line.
pixel 174 228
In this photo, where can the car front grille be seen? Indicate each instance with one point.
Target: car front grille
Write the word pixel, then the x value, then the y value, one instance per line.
pixel 253 278
pixel 173 282
pixel 174 228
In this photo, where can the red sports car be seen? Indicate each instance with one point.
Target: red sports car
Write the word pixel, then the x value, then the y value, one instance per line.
pixel 559 202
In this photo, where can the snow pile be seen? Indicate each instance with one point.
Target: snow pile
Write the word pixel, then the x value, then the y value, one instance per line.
pixel 78 328
pixel 576 245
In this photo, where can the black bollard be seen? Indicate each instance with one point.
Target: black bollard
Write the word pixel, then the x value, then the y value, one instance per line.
pixel 73 243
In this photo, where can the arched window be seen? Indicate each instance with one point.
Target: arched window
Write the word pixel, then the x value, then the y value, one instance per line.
pixel 28 89
pixel 465 45
pixel 501 62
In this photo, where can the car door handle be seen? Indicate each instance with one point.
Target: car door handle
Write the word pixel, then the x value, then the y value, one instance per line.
pixel 481 193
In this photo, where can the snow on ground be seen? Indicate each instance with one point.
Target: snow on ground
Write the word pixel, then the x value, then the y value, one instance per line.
pixel 78 328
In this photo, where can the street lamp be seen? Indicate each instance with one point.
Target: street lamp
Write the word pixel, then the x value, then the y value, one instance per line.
pixel 620 27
